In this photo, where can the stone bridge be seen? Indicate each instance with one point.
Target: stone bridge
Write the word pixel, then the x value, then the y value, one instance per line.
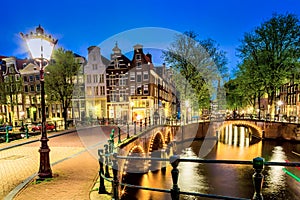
pixel 160 141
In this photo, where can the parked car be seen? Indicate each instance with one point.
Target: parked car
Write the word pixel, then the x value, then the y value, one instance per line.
pixel 3 128
pixel 38 127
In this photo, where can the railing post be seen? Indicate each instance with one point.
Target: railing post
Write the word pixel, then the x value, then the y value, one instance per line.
pixel 6 134
pixel 127 130
pixel 258 177
pixel 107 175
pixel 149 121
pixel 111 140
pixel 175 191
pixel 145 123
pixel 119 135
pixel 115 183
pixel 26 131
pixel 141 125
pixel 102 189
pixel 134 126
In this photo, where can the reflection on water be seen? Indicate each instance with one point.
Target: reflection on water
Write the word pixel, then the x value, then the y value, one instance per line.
pixel 223 179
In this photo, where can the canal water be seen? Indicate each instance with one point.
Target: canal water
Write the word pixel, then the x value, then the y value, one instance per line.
pixel 235 143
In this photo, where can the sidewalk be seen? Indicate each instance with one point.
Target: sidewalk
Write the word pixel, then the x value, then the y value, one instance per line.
pixel 74 178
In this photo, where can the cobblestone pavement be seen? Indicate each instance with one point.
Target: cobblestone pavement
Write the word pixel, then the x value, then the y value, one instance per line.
pixel 74 163
pixel 69 152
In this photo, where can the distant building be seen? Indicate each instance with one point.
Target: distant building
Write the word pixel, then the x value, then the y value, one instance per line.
pixel 95 84
pixel 117 86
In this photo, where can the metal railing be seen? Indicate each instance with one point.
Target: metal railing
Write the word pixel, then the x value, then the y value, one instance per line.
pixel 109 160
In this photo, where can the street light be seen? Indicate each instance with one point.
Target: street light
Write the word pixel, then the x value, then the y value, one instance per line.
pixel 279 103
pixel 40 47
pixel 132 104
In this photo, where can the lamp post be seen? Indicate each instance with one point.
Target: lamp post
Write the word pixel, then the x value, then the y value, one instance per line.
pixel 279 103
pixel 131 105
pixel 40 47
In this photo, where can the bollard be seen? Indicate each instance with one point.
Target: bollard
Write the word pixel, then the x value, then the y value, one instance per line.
pixel 141 125
pixel 175 191
pixel 102 189
pixel 119 135
pixel 6 134
pixel 127 130
pixel 149 121
pixel 26 131
pixel 107 175
pixel 115 183
pixel 258 177
pixel 145 123
pixel 134 131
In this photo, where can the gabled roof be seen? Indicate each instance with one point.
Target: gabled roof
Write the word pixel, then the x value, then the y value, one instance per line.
pixel 30 69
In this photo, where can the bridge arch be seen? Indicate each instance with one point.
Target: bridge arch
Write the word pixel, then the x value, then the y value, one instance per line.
pixel 137 166
pixel 157 142
pixel 257 131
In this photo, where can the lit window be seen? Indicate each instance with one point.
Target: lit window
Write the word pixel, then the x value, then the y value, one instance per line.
pixel 132 90
pixel 139 90
pixel 146 90
pixel 122 95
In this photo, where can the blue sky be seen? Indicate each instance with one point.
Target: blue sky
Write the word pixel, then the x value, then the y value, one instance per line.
pixel 79 24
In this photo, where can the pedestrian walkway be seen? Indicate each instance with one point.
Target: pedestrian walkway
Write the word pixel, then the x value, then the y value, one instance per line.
pixel 74 177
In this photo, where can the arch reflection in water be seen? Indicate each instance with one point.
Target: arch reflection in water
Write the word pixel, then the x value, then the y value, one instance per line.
pixel 236 135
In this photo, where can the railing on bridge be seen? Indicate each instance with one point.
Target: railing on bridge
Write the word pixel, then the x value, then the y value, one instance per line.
pixel 109 159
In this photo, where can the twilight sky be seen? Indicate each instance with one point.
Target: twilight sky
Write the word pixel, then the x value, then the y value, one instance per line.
pixel 79 24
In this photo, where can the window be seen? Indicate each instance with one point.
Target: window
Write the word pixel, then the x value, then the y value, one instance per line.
pixel 132 90
pixel 26 88
pixel 116 64
pixel 132 76
pixel 96 91
pixel 112 80
pixel 139 90
pixel 139 77
pixel 138 56
pixel 139 65
pixel 146 90
pixel 122 95
pixel 37 77
pixel 17 76
pixel 25 78
pixel 101 78
pixel 102 90
pixel 95 66
pixel 89 91
pixel 88 78
pixel 31 88
pixel 95 78
pixel 31 78
pixel 122 80
pixel 38 87
pixel 146 76
pixel 113 96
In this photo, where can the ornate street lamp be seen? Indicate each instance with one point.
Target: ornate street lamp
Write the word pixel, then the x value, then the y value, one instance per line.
pixel 131 105
pixel 40 47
